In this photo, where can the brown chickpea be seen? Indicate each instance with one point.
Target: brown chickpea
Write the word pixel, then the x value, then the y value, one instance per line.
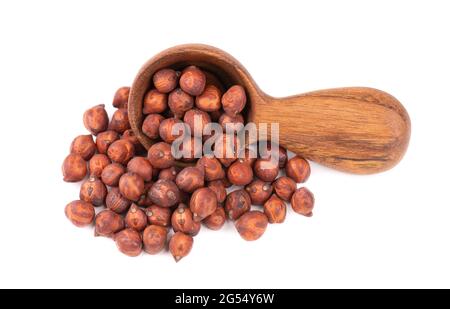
pixel 252 225
pixel 121 97
pixel 179 102
pixel 182 219
pixel 209 100
pixel 154 238
pixel 237 203
pixel 285 187
pixel 97 163
pixel 144 200
pixel 129 242
pixel 298 169
pixel 180 245
pixel 270 151
pixel 189 179
pixel 121 151
pixel 142 167
pixel 282 157
pixel 119 121
pixel 226 151
pixel 211 167
pixel 195 228
pixel 203 203
pixel 93 191
pixel 193 80
pixel 216 220
pixel 259 191
pixel 302 202
pixel 170 129
pixel 107 223
pixel 74 168
pixel 164 193
pixel 219 189
pixel 196 120
pixel 233 101
pixel 150 126
pixel 136 218
pixel 130 136
pixel 131 186
pixel 80 213
pixel 266 170
pixel 275 209
pixel 157 215
pixel 105 139
pixel 160 155
pixel 155 102
pixel 112 173
pixel 96 119
pixel 84 146
pixel 116 202
pixel 240 173
pixel 231 123
pixel 249 156
pixel 165 80
pixel 169 173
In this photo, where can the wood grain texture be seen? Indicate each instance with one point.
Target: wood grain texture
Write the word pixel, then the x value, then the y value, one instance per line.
pixel 357 130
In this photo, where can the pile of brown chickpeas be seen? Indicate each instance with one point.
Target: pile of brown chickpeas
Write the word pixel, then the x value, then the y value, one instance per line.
pixel 148 199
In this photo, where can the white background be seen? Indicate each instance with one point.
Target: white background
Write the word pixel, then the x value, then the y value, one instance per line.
pixel 389 230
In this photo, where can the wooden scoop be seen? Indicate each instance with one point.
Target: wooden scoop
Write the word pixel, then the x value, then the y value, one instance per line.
pixel 357 130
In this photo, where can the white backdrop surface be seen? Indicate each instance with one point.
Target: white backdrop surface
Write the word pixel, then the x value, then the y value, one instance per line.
pixel 387 230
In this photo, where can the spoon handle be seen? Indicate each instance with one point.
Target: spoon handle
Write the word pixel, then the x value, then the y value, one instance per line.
pixel 357 130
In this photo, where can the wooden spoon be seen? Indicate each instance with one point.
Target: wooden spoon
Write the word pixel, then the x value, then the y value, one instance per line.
pixel 357 130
